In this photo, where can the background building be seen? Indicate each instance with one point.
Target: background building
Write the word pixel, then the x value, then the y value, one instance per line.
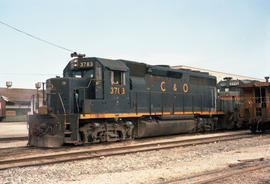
pixel 18 102
pixel 219 75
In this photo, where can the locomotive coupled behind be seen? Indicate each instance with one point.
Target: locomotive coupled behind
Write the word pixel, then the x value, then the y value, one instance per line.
pixel 256 105
pixel 230 102
pixel 103 100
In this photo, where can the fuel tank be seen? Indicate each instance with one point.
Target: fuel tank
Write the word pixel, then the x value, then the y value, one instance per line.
pixel 165 127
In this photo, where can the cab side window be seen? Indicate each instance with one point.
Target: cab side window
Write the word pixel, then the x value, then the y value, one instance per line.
pixel 98 72
pixel 118 77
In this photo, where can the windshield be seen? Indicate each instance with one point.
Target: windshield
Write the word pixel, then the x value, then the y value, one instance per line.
pixel 83 74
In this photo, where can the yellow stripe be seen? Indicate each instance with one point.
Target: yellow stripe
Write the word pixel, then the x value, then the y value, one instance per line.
pixel 230 98
pixel 127 115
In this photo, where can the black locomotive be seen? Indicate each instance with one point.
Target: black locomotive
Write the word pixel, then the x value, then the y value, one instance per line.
pixel 103 100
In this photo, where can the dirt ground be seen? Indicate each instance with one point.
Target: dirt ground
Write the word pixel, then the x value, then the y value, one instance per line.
pixel 13 129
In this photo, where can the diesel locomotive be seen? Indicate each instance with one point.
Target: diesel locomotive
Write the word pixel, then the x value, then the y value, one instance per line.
pixel 256 105
pixel 230 102
pixel 103 100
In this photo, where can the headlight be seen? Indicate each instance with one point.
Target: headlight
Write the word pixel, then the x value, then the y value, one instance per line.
pixel 75 63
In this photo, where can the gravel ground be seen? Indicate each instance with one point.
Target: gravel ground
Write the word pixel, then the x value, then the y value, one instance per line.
pixel 146 167
pixel 13 144
pixel 256 177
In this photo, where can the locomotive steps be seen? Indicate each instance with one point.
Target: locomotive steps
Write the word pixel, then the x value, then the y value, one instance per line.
pixel 21 158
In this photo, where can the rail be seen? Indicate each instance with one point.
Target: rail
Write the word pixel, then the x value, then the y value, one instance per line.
pixel 219 175
pixel 18 158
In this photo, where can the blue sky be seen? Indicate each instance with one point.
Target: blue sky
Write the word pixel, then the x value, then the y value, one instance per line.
pixel 232 36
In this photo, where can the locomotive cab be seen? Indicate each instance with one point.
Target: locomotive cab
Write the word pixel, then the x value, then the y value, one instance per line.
pixel 81 90
pixel 79 94
pixel 81 79
pixel 89 85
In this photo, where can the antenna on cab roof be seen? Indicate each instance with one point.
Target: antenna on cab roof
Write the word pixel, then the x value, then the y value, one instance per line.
pixel 74 54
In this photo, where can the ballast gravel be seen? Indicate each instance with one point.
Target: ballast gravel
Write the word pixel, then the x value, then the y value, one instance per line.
pixel 261 176
pixel 146 167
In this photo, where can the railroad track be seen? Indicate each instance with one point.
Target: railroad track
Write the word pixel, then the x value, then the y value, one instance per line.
pixel 214 176
pixel 90 152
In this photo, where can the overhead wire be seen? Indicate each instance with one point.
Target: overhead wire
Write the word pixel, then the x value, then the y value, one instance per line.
pixel 20 74
pixel 35 37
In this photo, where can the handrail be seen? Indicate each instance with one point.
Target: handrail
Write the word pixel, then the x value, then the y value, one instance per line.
pixel 89 83
pixel 62 103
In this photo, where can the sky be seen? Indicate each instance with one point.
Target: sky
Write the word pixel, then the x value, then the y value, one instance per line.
pixel 231 36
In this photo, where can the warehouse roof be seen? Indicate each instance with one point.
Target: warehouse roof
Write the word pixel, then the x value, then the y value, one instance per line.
pixel 18 95
pixel 220 75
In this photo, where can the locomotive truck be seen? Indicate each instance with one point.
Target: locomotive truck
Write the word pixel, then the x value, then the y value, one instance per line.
pixel 104 100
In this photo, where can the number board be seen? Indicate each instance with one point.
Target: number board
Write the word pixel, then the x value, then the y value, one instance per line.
pixel 117 91
pixel 234 83
pixel 86 64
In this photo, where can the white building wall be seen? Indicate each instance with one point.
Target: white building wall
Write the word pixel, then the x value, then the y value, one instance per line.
pixel 219 75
